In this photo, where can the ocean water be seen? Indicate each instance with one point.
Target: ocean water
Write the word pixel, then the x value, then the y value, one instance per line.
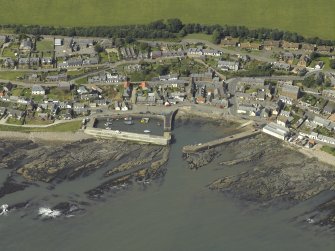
pixel 178 212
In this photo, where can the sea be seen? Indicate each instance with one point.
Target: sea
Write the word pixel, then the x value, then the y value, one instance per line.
pixel 176 212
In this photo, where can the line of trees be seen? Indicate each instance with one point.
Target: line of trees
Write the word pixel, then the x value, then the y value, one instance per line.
pixel 170 28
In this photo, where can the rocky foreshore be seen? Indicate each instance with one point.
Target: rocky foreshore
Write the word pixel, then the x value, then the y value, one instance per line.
pixel 277 173
pixel 54 162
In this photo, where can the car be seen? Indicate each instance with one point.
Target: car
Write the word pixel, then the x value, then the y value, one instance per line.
pixel 99 110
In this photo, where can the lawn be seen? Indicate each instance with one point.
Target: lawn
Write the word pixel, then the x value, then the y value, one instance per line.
pixel 44 45
pixel 310 17
pixel 8 53
pixel 328 149
pixel 58 94
pixel 11 75
pixel 64 127
pixel 103 57
pixel 199 36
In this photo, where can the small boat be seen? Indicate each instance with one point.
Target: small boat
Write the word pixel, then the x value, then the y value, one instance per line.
pixel 147 131
pixel 128 118
pixel 129 122
pixel 144 120
pixel 158 124
pixel 108 123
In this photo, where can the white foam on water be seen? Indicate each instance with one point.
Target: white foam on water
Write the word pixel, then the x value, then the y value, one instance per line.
pixel 48 213
pixel 4 209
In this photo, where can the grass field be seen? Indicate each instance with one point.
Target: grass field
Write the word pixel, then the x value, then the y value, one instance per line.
pixel 308 17
pixel 11 75
pixel 328 149
pixel 65 127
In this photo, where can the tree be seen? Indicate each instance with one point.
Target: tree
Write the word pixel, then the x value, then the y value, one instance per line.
pixel 174 25
pixel 98 48
pixel 332 63
pixel 163 70
pixel 216 36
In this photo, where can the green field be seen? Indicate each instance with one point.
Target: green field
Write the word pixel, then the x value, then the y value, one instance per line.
pixel 64 127
pixel 308 17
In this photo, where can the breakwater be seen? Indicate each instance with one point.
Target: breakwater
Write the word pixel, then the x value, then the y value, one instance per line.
pixel 129 136
pixel 211 144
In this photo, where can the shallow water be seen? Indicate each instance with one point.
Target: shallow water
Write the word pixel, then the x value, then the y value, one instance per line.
pixel 176 213
pixel 154 125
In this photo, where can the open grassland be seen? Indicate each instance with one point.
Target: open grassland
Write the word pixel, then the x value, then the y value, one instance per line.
pixel 308 17
pixel 64 127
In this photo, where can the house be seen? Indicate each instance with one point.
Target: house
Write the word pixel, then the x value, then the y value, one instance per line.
pixel 318 121
pixel 34 77
pixel 229 42
pixel 290 91
pixel 276 130
pixel 291 46
pixel 4 38
pixel 244 96
pixel 329 108
pixel 101 102
pixel 34 61
pixel 207 76
pixel 170 77
pixel 82 90
pixel 15 113
pixel 286 114
pixel 37 90
pixel 329 94
pixel 58 42
pixel 47 61
pixel 214 53
pixel 78 106
pixel 251 46
pixel 155 54
pixel 281 66
pixel 260 95
pixel 66 86
pixel 74 62
pixel 248 110
pixel 308 47
pixel 3 111
pixel 324 49
pixel 322 138
pixel 56 78
pixel 195 52
pixel 271 44
pixel 228 65
pixel 222 103
pixel 304 61
pixel 84 42
pixel 26 44
pixel 8 87
pixel 286 100
pixel 91 61
pixel 8 63
pixel 65 105
pixel 287 57
pixel 283 121
pixel 24 62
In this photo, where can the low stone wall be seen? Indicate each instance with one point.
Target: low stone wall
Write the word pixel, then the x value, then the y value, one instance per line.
pixel 217 142
pixel 128 136
pixel 45 136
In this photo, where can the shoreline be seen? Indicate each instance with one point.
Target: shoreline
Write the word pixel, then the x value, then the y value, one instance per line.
pixel 315 152
pixel 45 136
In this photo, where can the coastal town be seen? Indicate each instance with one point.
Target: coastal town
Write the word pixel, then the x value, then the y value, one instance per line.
pixel 287 89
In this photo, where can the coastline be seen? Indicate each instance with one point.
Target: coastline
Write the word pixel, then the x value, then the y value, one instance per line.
pixel 45 136
pixel 315 152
